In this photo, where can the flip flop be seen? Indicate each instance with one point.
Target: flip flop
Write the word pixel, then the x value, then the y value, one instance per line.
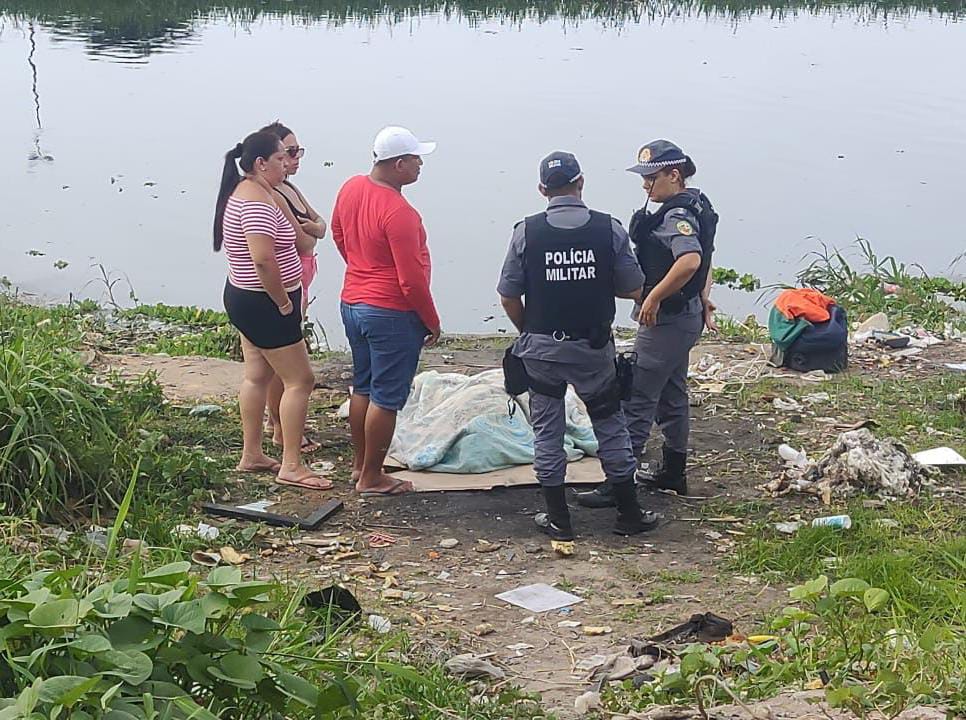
pixel 393 490
pixel 302 482
pixel 274 467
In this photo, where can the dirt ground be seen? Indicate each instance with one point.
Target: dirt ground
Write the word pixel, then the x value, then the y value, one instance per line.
pixel 633 588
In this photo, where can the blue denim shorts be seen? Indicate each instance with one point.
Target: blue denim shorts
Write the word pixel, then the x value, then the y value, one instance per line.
pixel 385 348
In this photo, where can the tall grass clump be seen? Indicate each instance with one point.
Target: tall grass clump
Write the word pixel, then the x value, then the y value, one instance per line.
pixel 69 441
pixel 906 293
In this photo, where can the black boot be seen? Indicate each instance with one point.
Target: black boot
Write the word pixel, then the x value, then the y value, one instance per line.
pixel 630 519
pixel 601 496
pixel 556 521
pixel 671 475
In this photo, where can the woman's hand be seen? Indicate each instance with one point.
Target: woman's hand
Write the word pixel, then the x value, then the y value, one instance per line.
pixel 286 309
pixel 649 310
pixel 709 321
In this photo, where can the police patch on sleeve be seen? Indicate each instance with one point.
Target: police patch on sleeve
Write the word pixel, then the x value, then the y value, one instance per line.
pixel 685 228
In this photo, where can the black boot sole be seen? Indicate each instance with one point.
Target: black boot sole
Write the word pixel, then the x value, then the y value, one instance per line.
pixel 552 531
pixel 627 529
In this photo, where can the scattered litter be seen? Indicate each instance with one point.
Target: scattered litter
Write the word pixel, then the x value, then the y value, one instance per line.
pixel 233 557
pixel 700 627
pixel 380 624
pixel 206 559
pixel 473 666
pixel 569 624
pixel 960 367
pixel 857 461
pixel 564 548
pixel 532 620
pixel 449 543
pixel 205 410
pixel 203 531
pixel 887 523
pixel 343 411
pixel 485 546
pixel 337 601
pixel 789 528
pixel 796 458
pixel 839 522
pixel 627 602
pixel 939 456
pixel 324 466
pixel 519 647
pixel 587 703
pixel 444 576
pixel 878 322
pixel 484 629
pixel 893 341
pixel 816 398
pixel 597 630
pixel 787 405
pixel 908 352
pixel 539 598
pixel 57 533
pixel 591 663
pixel 404 595
pixel 381 540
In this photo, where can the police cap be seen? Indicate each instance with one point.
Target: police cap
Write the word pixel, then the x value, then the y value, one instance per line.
pixel 559 169
pixel 658 155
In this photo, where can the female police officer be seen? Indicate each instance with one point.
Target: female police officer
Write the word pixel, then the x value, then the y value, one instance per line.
pixel 674 246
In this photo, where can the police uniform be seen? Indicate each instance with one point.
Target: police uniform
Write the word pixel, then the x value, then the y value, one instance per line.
pixel 568 263
pixel 660 390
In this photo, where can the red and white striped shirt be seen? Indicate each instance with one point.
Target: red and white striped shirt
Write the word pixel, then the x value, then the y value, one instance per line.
pixel 249 217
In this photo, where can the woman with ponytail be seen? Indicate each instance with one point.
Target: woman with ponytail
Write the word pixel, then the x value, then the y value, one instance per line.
pixel 263 298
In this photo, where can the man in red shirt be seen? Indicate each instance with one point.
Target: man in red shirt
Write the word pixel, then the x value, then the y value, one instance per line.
pixel 387 307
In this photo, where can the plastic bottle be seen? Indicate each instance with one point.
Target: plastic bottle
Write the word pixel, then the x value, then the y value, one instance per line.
pixel 839 522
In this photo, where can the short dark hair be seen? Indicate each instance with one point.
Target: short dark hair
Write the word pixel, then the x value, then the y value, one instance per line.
pixel 567 189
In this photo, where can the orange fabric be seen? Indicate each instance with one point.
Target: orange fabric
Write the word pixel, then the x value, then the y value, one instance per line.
pixel 805 303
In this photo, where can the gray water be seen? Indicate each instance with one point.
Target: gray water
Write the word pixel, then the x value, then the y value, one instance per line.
pixel 807 126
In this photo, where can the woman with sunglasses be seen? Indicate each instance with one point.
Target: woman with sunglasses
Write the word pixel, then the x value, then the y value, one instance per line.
pixel 313 228
pixel 263 299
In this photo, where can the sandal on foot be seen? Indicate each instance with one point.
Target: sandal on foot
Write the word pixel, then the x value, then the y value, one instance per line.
pixel 271 467
pixel 399 487
pixel 305 481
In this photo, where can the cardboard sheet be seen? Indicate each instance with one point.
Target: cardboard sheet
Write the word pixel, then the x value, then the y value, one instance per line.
pixel 582 472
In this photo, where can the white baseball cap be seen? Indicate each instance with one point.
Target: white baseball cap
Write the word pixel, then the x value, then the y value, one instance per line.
pixel 393 142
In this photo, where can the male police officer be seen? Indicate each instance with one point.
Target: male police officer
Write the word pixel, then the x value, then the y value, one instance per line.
pixel 674 246
pixel 569 263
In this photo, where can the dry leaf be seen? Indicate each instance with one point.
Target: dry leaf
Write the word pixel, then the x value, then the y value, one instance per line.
pixel 233 557
pixel 563 548
pixel 594 630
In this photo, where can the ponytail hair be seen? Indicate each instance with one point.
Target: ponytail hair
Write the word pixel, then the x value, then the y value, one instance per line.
pixel 688 168
pixel 244 154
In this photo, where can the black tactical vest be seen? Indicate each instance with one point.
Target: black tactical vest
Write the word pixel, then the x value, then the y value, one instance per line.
pixel 656 260
pixel 569 277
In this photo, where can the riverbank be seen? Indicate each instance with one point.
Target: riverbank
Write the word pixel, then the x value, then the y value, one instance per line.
pixel 178 432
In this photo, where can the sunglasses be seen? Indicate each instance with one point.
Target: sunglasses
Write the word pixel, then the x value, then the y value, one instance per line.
pixel 295 152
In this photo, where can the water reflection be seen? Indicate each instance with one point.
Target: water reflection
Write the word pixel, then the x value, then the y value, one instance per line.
pixel 122 31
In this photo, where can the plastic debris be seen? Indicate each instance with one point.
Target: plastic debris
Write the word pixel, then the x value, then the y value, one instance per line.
pixel 205 410
pixel 787 405
pixel 449 543
pixel 857 461
pixel 790 455
pixel 879 321
pixel 939 456
pixel 484 629
pixel 233 557
pixel 472 666
pixel 788 528
pixel 839 522
pixel 380 624
pixel 206 559
pixel 587 703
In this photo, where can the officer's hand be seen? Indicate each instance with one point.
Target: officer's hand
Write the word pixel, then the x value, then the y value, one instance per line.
pixel 709 321
pixel 649 310
pixel 432 338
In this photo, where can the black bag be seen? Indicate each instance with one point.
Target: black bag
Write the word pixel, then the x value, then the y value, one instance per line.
pixel 625 362
pixel 823 346
pixel 515 379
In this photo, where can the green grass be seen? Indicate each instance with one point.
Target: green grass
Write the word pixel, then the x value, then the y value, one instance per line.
pixel 922 562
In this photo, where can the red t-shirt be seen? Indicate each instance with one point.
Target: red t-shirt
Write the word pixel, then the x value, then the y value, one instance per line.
pixel 383 241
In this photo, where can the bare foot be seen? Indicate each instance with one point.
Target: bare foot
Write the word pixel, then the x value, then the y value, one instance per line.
pixel 307 447
pixel 302 477
pixel 258 463
pixel 383 484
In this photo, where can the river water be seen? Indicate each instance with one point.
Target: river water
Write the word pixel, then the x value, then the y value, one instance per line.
pixel 808 125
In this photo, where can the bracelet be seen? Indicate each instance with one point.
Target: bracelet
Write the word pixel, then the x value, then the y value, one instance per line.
pixel 286 305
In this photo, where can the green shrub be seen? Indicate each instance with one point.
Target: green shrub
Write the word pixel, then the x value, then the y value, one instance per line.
pixel 69 439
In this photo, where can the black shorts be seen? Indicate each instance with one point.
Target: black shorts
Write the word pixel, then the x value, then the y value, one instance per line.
pixel 256 316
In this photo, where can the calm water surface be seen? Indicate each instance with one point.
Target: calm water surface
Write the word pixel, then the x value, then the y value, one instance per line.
pixel 807 125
